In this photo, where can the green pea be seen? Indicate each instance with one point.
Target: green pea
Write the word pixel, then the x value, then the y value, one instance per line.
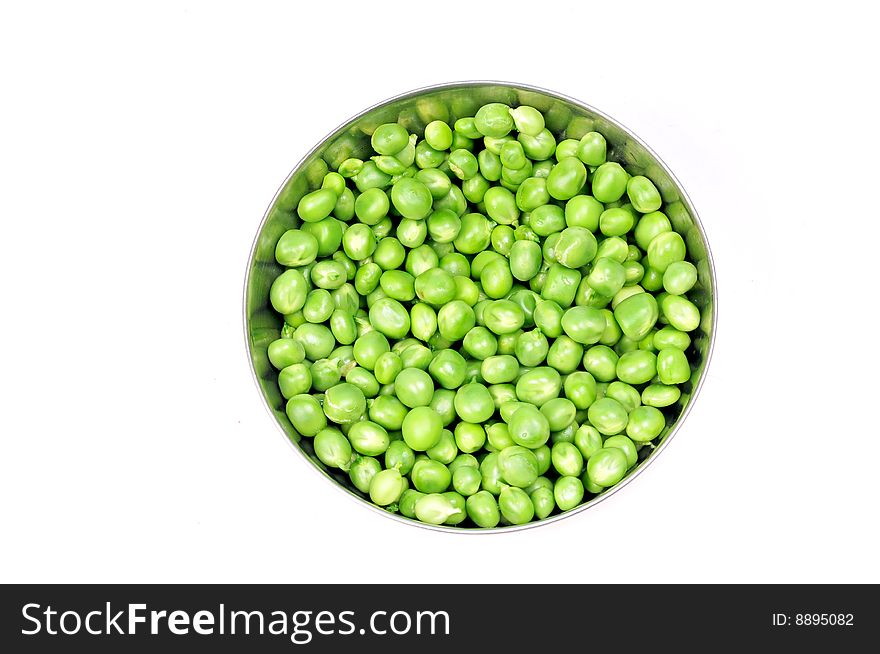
pixel 329 274
pixel 498 436
pixel 583 211
pixel 502 393
pixel 548 318
pixel 343 326
pixel 288 292
pixel 580 388
pixel 429 476
pixel 637 367
pixel 285 352
pixel 499 369
pixel 428 157
pixel 507 342
pixel 607 467
pixel 528 427
pixel 455 319
pixel 538 386
pixel 386 486
pixel 371 177
pixel 411 198
pixel 519 466
pixel 414 388
pixel 628 396
pixel 645 424
pixel 547 219
pixel 609 182
pixel 538 147
pixel 362 379
pixel 490 165
pixel 407 502
pixel 345 403
pixel 316 205
pixel 368 438
pixel 525 259
pixel 625 445
pixel 541 169
pixel 588 441
pixel 445 450
pixel 672 366
pixel 527 120
pixel 319 305
pixel 438 135
pixel 448 368
pixel 305 414
pixel 608 416
pixel 422 428
pixel 576 247
pixel 679 278
pixel 367 278
pixel 652 280
pixel 469 437
pixel 561 285
pixel 531 348
pixel 665 248
pixel 501 205
pixel 388 411
pixel 317 340
pixel 475 234
pixel 294 379
pixel 532 193
pixel 369 347
pixel 565 355
pixel 390 317
pixel 592 149
pixel 643 194
pixel 543 501
pixel 515 505
pixel 333 449
pixel 467 127
pixel 371 206
pixel 482 509
pixel 296 248
pixel 325 373
pixel 660 395
pixel 473 403
pixel 681 313
pixel 494 120
pixel 435 286
pixel 435 509
pixel 616 221
pixel 386 367
pixel 542 454
pixel 496 278
pixel 443 403
pixel 568 493
pixel 637 315
pixel 583 324
pixel 463 164
pixel 350 167
pixel 475 188
pixel 567 178
pixel 607 276
pixel 400 457
pixel 389 139
pixel 362 472
pixel 480 343
pixel 467 480
pixel 560 413
pixel 512 155
pixel 650 226
pixel 502 317
pixel 491 473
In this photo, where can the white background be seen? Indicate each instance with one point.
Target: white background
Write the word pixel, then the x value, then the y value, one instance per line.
pixel 140 147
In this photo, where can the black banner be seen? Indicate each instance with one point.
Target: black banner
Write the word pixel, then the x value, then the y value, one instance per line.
pixel 421 618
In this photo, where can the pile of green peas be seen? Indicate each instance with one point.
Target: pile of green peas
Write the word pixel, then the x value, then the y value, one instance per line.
pixel 483 325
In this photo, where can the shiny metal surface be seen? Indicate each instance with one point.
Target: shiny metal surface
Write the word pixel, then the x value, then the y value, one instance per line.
pixel 566 117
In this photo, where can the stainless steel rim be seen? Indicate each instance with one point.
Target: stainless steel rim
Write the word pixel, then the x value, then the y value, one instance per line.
pixel 644 464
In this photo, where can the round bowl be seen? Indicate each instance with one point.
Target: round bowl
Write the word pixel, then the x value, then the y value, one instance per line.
pixel 564 116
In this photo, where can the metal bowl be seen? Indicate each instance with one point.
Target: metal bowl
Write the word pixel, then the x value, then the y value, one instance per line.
pixel 565 117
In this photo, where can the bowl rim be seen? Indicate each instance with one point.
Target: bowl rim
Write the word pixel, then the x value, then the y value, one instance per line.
pixel 684 197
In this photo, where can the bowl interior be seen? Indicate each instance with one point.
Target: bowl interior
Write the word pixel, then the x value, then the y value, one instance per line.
pixel 566 118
